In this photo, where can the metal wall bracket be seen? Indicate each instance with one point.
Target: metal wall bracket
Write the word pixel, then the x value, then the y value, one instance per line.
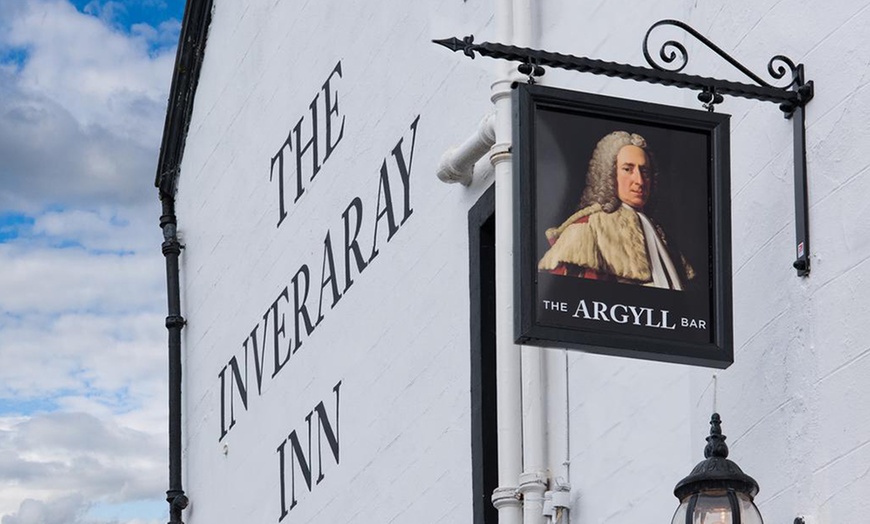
pixel 791 97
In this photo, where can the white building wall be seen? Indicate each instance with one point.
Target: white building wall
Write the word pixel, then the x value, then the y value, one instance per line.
pixel 795 390
pixel 792 403
pixel 398 338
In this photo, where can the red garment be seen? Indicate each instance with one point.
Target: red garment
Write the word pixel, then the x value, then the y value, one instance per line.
pixel 573 270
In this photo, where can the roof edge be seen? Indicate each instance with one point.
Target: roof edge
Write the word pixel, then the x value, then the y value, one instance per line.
pixel 188 62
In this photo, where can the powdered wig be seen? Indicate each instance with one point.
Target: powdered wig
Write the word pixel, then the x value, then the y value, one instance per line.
pixel 601 177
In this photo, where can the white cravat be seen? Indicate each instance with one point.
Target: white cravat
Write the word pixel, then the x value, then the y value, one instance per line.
pixel 659 259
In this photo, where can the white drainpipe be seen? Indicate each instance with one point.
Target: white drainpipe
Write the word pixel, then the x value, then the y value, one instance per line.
pixel 521 426
pixel 533 480
pixel 509 426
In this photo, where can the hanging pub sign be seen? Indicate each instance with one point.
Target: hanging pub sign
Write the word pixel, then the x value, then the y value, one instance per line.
pixel 623 243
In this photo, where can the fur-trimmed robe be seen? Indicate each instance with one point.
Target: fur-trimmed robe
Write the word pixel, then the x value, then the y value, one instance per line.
pixel 608 244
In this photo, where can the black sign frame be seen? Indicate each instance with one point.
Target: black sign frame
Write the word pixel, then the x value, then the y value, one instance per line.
pixel 554 132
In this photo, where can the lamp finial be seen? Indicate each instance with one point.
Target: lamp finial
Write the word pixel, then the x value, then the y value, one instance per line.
pixel 716 446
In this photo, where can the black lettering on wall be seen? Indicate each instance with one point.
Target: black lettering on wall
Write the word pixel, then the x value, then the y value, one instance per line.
pixel 328 260
pixel 301 458
pixel 405 171
pixel 237 383
pixel 224 428
pixel 259 356
pixel 278 331
pixel 301 149
pixel 279 156
pixel 303 143
pixel 259 349
pixel 282 486
pixel 274 330
pixel 300 309
pixel 297 456
pixel 240 385
pixel 350 242
pixel 383 188
pixel 332 109
pixel 325 429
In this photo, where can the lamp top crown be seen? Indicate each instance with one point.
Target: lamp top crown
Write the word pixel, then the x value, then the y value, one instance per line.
pixel 716 472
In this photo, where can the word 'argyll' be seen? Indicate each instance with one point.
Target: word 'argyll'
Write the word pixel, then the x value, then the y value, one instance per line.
pixel 622 314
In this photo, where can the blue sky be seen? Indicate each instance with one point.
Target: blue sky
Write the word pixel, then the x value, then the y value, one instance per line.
pixel 126 13
pixel 13 225
pixel 83 89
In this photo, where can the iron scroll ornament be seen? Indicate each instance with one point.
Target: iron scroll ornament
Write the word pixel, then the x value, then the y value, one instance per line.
pixel 673 51
pixel 792 98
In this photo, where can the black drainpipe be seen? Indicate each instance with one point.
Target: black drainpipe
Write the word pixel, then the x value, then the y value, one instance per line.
pixel 188 61
pixel 174 323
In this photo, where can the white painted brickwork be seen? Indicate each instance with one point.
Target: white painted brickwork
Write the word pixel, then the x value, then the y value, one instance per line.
pixel 795 404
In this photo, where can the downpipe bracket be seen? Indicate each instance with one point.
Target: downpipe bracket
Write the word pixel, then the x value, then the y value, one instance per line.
pixel 175 321
pixel 178 501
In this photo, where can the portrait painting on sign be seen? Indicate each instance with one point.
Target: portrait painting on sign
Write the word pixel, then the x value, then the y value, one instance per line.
pixel 609 236
pixel 623 226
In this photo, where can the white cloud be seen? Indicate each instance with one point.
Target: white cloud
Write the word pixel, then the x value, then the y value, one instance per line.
pixel 49 158
pixel 54 280
pixel 81 118
pixel 106 11
pixel 70 457
pixel 163 36
pixel 66 510
pixel 82 292
pixel 106 228
pixel 96 356
pixel 71 509
pixel 100 75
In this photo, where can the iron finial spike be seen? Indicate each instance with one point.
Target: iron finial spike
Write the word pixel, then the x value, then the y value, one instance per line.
pixel 455 44
pixel 716 446
pixel 452 43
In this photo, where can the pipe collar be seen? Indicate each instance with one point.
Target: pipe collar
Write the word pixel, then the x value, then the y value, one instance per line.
pixel 499 153
pixel 501 89
pixel 506 497
pixel 533 482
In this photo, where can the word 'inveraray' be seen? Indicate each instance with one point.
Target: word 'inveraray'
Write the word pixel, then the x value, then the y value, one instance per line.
pixel 271 342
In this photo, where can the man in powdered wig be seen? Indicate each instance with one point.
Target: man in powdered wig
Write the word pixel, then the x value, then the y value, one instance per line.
pixel 610 237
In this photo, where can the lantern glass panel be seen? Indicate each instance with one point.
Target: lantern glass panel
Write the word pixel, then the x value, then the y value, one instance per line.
pixel 713 508
pixel 680 515
pixel 749 513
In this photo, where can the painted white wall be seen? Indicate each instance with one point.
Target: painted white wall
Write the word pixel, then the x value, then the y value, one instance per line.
pixel 398 339
pixel 792 404
pixel 795 393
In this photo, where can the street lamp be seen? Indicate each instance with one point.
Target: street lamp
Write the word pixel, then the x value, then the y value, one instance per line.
pixel 716 491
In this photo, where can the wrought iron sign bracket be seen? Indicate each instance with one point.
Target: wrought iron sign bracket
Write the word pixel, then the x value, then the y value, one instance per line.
pixel 791 97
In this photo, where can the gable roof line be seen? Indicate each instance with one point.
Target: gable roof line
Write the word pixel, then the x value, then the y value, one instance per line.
pixel 188 62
